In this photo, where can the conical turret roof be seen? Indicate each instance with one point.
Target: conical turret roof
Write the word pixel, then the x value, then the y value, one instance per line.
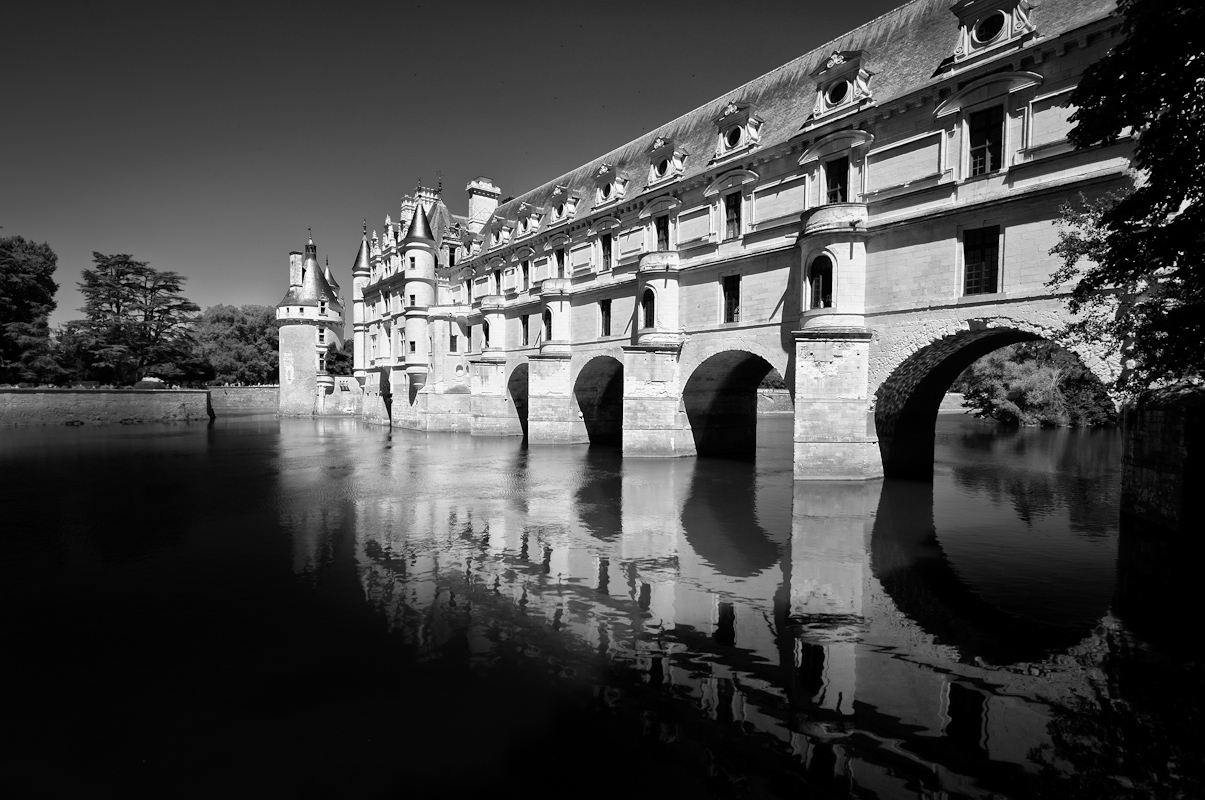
pixel 420 227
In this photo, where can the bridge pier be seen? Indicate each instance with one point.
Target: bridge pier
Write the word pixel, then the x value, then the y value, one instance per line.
pixel 834 431
pixel 552 416
pixel 654 418
pixel 491 411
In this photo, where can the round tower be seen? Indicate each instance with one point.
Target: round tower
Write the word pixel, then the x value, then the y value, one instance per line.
pixel 360 274
pixel 418 294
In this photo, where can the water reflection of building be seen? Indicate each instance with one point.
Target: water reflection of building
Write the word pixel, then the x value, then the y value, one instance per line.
pixel 797 635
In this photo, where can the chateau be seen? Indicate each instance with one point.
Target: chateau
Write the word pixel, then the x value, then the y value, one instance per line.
pixel 867 220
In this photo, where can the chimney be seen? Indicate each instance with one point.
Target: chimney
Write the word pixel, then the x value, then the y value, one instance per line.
pixel 483 199
pixel 295 268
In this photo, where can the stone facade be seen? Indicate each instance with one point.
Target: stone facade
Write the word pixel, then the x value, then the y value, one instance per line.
pixel 865 220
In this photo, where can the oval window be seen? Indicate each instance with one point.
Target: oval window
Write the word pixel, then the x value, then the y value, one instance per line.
pixel 733 137
pixel 837 93
pixel 560 210
pixel 661 168
pixel 988 28
pixel 605 191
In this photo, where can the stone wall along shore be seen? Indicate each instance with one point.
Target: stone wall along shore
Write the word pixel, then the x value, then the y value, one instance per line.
pixel 21 407
pixel 244 397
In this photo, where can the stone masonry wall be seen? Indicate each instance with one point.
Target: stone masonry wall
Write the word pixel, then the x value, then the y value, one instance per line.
pixel 19 407
pixel 244 397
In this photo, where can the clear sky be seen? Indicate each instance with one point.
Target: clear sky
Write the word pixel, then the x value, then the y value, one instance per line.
pixel 206 138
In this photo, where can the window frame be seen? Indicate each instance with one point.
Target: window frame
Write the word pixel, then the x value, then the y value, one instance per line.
pixel 726 230
pixel 730 304
pixel 604 317
pixel 996 248
pixel 810 303
pixel 996 104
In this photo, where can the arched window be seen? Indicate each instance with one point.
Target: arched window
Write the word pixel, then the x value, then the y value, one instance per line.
pixel 547 324
pixel 648 309
pixel 820 283
pixel 485 334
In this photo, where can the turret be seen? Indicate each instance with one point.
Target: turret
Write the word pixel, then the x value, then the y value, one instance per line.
pixel 418 295
pixel 360 273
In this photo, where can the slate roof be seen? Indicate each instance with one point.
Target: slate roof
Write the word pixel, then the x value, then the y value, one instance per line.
pixel 903 48
pixel 314 286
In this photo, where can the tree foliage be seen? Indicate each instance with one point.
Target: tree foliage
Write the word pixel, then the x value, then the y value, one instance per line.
pixel 339 359
pixel 1036 383
pixel 239 343
pixel 1136 259
pixel 27 290
pixel 138 323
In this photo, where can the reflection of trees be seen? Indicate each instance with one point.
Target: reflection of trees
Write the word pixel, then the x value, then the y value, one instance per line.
pixel 1139 734
pixel 1039 471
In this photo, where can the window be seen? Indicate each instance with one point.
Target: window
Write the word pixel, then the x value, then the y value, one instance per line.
pixel 322 336
pixel 820 283
pixel 322 308
pixel 604 243
pixel 648 309
pixel 604 317
pixel 547 324
pixel 980 258
pixel 836 175
pixel 732 298
pixel 661 226
pixel 452 343
pixel 413 262
pixel 526 336
pixel 322 362
pixel 485 334
pixel 732 137
pixel 526 267
pixel 373 346
pixel 413 346
pixel 560 262
pixel 987 140
pixel 412 301
pixel 732 215
pixel 497 285
pixel 451 256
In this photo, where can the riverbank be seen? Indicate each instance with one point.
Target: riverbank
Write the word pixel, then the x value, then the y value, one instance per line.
pixel 27 407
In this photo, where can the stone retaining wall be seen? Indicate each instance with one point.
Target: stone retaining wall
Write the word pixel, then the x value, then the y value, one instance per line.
pixel 774 401
pixel 238 397
pixel 1164 457
pixel 19 407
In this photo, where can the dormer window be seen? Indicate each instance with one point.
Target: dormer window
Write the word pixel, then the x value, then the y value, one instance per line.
pixel 608 186
pixel 842 84
pixel 666 162
pixel 563 204
pixel 739 129
pixel 990 26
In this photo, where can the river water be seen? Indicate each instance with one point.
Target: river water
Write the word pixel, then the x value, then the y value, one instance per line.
pixel 322 607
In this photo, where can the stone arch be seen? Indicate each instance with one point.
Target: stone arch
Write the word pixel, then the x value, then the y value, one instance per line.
pixel 598 392
pixel 907 399
pixel 517 390
pixel 720 401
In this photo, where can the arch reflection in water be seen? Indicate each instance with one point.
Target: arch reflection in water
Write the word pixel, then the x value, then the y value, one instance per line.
pixel 821 633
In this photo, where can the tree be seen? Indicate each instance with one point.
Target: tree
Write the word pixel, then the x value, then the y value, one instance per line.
pixel 1143 286
pixel 1035 383
pixel 27 292
pixel 339 360
pixel 240 344
pixel 138 322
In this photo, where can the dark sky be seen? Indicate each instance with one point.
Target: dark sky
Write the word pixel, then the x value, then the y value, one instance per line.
pixel 206 138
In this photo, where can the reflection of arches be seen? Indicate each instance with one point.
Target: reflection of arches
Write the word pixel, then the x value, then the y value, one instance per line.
pixel 516 387
pixel 720 400
pixel 599 394
pixel 720 522
pixel 820 283
pixel 599 496
pixel 908 561
pixel 648 309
